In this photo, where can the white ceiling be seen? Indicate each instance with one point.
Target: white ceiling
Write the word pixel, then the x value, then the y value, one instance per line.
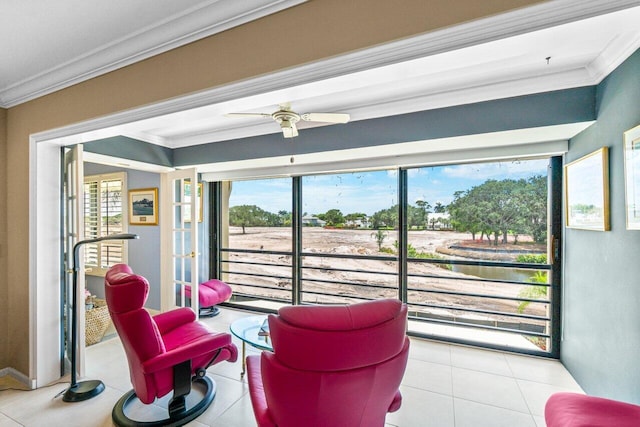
pixel 557 45
pixel 48 45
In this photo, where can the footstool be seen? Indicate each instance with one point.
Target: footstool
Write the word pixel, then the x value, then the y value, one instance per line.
pixel 210 293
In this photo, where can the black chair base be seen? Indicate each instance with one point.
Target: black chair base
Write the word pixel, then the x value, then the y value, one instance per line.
pixel 178 418
pixel 209 311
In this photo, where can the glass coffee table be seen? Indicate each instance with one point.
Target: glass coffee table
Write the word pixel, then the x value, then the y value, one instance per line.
pixel 248 330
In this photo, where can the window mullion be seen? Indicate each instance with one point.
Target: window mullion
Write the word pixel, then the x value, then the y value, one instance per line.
pixel 296 224
pixel 402 235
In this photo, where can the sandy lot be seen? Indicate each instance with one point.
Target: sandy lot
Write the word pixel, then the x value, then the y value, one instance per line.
pixel 366 277
pixel 325 240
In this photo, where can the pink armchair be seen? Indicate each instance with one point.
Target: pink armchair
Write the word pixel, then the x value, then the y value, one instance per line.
pixel 166 352
pixel 331 365
pixel 579 410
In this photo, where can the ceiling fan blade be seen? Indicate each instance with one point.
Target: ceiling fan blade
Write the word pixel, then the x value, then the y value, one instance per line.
pixel 325 117
pixel 265 115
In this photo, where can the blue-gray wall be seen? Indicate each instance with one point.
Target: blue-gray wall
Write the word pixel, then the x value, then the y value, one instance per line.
pixel 528 111
pixel 601 306
pixel 144 254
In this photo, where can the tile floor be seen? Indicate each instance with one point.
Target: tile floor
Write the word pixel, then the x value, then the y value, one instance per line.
pixel 444 386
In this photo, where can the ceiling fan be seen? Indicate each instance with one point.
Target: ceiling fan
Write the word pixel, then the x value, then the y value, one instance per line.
pixel 287 118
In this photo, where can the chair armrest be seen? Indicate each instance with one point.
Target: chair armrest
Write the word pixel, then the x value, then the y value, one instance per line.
pixel 189 351
pixel 256 391
pixel 172 319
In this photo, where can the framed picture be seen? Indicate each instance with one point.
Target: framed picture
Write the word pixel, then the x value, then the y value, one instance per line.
pixel 587 191
pixel 143 206
pixel 632 177
pixel 187 195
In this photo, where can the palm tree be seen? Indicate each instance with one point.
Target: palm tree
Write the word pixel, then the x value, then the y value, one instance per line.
pixel 379 235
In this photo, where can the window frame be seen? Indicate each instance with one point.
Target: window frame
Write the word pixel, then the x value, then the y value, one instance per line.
pixel 93 269
pixel 554 251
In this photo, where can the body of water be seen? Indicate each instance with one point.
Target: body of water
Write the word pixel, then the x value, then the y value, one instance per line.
pixel 517 274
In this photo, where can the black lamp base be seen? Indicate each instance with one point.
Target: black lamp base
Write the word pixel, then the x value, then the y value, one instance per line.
pixel 83 390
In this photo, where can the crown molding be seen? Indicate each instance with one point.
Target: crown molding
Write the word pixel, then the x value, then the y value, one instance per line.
pixel 174 31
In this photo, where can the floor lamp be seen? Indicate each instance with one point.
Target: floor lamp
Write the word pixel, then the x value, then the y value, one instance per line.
pixel 79 391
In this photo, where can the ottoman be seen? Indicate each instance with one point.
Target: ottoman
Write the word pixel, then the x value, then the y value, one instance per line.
pixel 210 293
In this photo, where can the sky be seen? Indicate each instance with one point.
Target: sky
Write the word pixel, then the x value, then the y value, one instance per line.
pixel 371 191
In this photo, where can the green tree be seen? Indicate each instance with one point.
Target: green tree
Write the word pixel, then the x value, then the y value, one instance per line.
pixel 536 208
pixel 333 217
pixel 284 218
pixel 385 218
pixel 439 208
pixel 250 216
pixel 433 222
pixel 379 236
pixel 464 214
pixel 498 208
pixel 424 209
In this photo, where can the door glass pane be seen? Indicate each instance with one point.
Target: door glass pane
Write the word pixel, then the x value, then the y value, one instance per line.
pixel 183 253
pixel 465 222
pixel 177 216
pixel 349 236
pixel 178 246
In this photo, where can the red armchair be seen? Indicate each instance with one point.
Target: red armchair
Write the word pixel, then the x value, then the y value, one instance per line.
pixel 579 410
pixel 331 365
pixel 166 352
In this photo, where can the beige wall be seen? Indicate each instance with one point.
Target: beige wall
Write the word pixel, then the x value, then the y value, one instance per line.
pixel 315 30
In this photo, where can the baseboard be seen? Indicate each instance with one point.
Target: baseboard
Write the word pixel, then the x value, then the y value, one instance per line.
pixel 12 374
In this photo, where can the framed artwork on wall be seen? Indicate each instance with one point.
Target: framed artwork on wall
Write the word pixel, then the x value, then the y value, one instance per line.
pixel 143 206
pixel 586 183
pixel 632 177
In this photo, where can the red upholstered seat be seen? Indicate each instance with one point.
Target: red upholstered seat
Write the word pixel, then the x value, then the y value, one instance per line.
pixel 210 293
pixel 579 410
pixel 331 365
pixel 165 351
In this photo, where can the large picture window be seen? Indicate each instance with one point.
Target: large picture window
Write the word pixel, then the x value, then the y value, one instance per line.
pixel 464 245
pixel 104 214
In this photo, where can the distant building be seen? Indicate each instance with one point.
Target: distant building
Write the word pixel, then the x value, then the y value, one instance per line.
pixel 358 223
pixel 439 221
pixel 313 221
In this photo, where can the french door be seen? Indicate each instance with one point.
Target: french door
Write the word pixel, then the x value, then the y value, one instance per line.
pixel 179 239
pixel 74 231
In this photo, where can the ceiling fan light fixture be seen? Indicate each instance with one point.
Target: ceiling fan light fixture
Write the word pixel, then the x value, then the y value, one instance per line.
pixel 289 129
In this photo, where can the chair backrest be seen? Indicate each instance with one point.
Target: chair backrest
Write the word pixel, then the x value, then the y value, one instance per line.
pixel 126 294
pixel 335 365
